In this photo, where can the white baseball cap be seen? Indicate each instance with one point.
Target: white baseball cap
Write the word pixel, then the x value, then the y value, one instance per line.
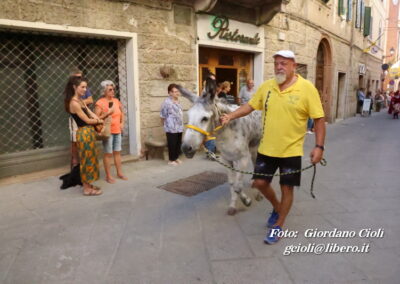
pixel 285 53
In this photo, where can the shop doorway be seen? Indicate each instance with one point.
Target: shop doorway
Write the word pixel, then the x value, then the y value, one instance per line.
pixel 227 65
pixel 323 76
pixel 340 94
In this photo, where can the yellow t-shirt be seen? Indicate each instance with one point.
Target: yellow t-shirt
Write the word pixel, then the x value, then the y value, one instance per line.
pixel 287 115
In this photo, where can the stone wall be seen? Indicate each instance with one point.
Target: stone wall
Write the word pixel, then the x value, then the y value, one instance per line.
pixel 167 37
pixel 162 41
pixel 303 24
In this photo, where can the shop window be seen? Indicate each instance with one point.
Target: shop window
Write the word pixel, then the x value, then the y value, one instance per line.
pixel 34 69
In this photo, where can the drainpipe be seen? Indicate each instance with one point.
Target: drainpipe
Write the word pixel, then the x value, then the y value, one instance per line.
pixel 347 112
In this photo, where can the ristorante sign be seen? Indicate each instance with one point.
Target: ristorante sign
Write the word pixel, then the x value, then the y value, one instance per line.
pixel 220 26
pixel 223 32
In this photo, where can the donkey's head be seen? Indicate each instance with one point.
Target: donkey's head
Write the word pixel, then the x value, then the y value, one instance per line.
pixel 202 115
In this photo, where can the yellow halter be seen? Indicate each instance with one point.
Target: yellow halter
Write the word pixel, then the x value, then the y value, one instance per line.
pixel 205 133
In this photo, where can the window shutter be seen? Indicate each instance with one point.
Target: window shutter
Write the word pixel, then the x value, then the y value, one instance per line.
pixel 358 14
pixel 367 21
pixel 362 14
pixel 349 10
pixel 341 7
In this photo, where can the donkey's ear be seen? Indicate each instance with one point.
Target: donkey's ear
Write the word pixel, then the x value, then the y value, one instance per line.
pixel 210 89
pixel 187 94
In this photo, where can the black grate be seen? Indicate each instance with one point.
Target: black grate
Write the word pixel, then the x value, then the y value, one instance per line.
pixel 196 184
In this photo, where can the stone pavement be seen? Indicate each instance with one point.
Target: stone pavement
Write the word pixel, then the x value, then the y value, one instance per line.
pixel 137 233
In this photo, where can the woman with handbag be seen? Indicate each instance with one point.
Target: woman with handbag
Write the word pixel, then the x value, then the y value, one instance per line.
pixel 85 135
pixel 109 106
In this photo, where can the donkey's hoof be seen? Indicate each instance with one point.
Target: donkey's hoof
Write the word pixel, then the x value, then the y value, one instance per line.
pixel 231 211
pixel 246 200
pixel 258 197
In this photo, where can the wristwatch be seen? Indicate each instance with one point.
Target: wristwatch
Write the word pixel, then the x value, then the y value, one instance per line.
pixel 320 146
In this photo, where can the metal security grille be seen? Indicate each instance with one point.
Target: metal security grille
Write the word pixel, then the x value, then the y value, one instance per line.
pixel 34 69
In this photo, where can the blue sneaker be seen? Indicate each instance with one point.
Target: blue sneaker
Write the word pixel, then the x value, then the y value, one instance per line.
pixel 272 219
pixel 272 235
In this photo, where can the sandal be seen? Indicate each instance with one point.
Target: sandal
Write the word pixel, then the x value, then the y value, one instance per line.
pixel 123 177
pixel 110 180
pixel 93 192
pixel 95 187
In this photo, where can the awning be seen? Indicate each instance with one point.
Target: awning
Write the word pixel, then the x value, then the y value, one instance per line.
pixel 394 70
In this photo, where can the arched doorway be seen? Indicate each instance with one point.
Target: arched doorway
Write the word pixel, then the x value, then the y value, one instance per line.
pixel 323 76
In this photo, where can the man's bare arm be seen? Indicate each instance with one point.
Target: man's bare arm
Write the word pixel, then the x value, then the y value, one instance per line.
pixel 320 131
pixel 243 110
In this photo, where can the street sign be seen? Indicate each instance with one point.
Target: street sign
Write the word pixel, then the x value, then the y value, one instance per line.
pixel 361 69
pixel 366 105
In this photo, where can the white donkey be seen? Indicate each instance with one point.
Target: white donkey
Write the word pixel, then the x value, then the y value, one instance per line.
pixel 237 142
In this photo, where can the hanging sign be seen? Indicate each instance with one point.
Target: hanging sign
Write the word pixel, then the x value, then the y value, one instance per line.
pixel 220 30
pixel 220 27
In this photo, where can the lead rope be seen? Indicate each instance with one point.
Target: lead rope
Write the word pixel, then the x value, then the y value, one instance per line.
pixel 214 157
pixel 322 163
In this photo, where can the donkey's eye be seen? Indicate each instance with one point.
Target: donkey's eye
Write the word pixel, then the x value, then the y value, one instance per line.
pixel 204 119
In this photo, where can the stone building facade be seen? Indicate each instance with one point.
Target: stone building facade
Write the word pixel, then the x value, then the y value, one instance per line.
pixel 333 46
pixel 146 45
pixel 392 46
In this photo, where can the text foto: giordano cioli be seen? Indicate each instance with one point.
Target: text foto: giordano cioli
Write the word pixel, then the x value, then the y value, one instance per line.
pixel 334 233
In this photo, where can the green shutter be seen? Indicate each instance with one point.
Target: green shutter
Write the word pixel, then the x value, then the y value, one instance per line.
pixel 341 8
pixel 367 21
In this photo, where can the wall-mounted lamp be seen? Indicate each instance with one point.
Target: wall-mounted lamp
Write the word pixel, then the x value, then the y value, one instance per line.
pixel 391 53
pixel 166 71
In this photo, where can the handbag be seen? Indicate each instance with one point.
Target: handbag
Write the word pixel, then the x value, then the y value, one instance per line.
pixel 103 131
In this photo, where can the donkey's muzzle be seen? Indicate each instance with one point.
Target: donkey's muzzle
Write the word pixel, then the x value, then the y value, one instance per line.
pixel 188 150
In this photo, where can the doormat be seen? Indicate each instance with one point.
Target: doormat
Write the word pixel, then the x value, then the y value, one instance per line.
pixel 196 184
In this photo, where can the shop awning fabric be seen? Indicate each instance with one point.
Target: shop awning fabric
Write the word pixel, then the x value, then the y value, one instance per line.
pixel 394 70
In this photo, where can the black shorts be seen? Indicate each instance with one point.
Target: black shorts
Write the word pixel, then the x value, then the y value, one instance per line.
pixel 268 165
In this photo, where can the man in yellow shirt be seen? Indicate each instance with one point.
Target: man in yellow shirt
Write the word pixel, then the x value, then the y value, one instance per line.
pixel 287 101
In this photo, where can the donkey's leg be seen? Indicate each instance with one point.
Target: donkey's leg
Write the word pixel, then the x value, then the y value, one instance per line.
pixel 253 151
pixel 241 164
pixel 231 180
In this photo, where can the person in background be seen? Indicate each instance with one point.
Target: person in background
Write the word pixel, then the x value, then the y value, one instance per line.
pixel 378 101
pixel 108 105
pixel 172 118
pixel 224 94
pixel 369 96
pixel 389 98
pixel 246 92
pixel 310 126
pixel 85 135
pixel 360 99
pixel 394 107
pixel 88 100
